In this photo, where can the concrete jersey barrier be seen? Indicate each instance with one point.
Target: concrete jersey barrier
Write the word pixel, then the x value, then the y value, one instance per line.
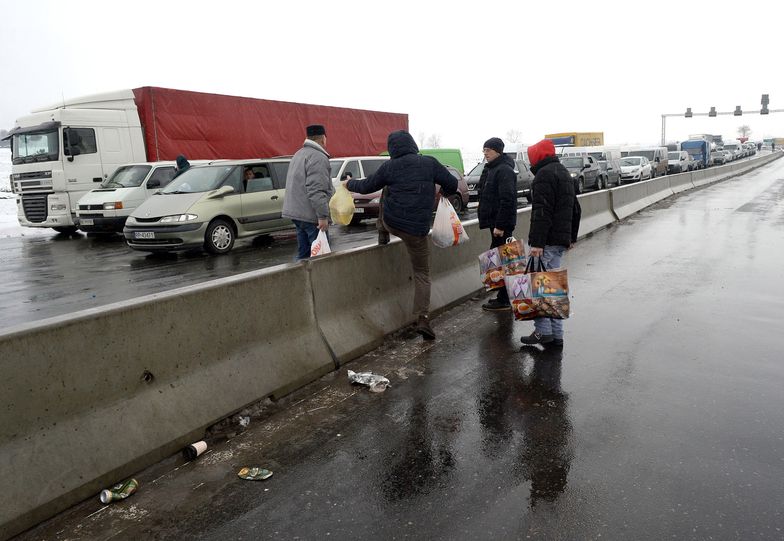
pixel 680 182
pixel 93 398
pixel 658 189
pixel 597 212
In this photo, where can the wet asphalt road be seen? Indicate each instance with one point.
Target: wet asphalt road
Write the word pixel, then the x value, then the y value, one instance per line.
pixel 661 418
pixel 45 275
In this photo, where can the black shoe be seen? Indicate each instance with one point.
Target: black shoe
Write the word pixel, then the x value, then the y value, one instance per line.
pixel 423 327
pixel 556 343
pixel 536 338
pixel 494 305
pixel 383 237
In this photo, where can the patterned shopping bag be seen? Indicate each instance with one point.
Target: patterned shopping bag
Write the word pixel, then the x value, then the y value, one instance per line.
pixel 539 293
pixel 495 263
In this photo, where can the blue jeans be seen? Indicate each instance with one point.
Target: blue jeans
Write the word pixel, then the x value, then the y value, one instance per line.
pixel 545 325
pixel 306 234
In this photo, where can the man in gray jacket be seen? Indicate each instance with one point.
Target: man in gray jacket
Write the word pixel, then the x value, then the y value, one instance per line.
pixel 309 189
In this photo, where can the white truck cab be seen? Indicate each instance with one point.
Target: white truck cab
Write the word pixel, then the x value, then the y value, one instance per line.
pixel 61 152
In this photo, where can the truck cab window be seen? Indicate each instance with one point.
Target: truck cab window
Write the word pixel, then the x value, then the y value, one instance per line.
pixel 79 141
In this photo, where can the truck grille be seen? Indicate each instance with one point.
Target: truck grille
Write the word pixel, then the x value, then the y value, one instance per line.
pixel 35 207
pixel 32 181
pixel 91 207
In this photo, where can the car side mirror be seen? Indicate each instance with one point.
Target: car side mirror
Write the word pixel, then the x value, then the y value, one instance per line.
pixel 587 166
pixel 221 192
pixel 153 183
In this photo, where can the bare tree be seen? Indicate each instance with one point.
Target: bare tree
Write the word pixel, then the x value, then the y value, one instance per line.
pixel 513 136
pixel 422 137
pixel 744 131
pixel 434 141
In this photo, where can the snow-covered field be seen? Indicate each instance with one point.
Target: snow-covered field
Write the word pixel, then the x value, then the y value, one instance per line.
pixel 5 170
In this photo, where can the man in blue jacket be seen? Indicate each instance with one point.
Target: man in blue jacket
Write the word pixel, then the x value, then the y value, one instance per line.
pixel 410 181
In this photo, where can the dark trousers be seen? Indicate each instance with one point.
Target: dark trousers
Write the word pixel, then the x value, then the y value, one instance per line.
pixel 419 253
pixel 503 296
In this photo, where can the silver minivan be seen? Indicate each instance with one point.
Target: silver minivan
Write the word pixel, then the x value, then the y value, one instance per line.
pixel 210 206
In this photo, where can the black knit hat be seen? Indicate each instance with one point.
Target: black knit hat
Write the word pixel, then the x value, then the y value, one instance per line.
pixel 496 144
pixel 315 129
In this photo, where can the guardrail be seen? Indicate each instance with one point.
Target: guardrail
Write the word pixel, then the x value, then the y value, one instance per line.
pixel 94 397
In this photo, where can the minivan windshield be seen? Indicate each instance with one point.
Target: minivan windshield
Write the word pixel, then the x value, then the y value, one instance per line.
pixel 127 176
pixel 572 163
pixel 199 179
pixel 36 147
pixel 673 155
pixel 631 161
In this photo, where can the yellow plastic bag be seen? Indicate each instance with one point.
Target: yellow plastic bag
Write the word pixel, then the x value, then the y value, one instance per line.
pixel 341 206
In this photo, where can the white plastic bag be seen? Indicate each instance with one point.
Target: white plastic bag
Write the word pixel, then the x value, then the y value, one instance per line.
pixel 341 206
pixel 320 246
pixel 447 229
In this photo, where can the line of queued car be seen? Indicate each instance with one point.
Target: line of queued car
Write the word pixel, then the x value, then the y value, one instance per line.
pixel 210 205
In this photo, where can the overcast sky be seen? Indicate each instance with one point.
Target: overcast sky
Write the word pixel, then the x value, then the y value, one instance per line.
pixel 464 71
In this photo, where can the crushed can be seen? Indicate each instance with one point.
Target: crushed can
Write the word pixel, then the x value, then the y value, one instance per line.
pixel 254 473
pixel 120 491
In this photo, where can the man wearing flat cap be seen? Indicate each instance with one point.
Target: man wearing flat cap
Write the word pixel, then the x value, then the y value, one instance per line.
pixel 497 205
pixel 309 189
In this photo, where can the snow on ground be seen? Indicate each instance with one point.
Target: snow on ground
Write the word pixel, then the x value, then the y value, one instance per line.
pixel 5 171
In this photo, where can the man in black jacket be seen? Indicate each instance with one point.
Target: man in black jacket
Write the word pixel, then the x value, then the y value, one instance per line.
pixel 555 221
pixel 409 180
pixel 497 205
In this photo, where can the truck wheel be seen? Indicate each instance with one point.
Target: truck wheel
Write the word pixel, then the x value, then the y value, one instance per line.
pixel 219 237
pixel 66 230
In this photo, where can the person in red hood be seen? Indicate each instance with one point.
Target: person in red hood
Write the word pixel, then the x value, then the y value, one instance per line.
pixel 555 220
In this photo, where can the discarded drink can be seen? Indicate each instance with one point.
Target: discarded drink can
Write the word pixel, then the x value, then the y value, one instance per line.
pixel 254 473
pixel 194 450
pixel 120 491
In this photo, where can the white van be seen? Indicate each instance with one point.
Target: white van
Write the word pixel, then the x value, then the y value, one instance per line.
pixel 357 166
pixel 105 209
pixel 735 148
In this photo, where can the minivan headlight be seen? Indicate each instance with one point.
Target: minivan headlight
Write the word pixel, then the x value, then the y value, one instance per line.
pixel 114 205
pixel 178 218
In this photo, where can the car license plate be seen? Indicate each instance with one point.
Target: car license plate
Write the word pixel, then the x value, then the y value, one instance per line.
pixel 144 234
pixel 359 210
pixel 473 192
pixel 86 221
